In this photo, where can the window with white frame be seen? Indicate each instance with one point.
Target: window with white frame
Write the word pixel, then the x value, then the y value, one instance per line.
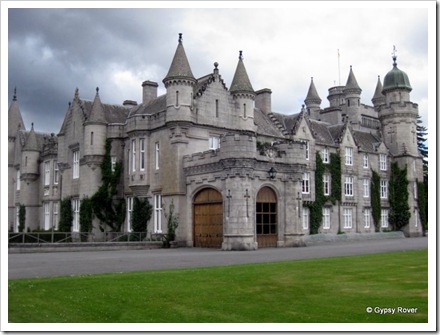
pixel 326 218
pixel 46 173
pixel 55 215
pixel 365 163
pixel 325 156
pixel 348 156
pixel 305 217
pixel 158 213
pixel 416 218
pixel 133 155
pixel 415 189
pixel 383 162
pixel 348 186
pixel 46 206
pixel 348 218
pixel 129 212
pixel 326 182
pixel 75 211
pixel 157 155
pixel 367 218
pixel 55 172
pixel 18 180
pixel 384 218
pixel 17 218
pixel 142 154
pixel 75 167
pixel 384 188
pixel 366 184
pixel 306 183
pixel 113 162
pixel 214 142
pixel 307 146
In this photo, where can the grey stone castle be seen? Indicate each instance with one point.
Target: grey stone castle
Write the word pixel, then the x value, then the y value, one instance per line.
pixel 240 175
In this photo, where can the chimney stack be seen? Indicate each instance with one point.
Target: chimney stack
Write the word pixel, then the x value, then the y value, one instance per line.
pixel 263 100
pixel 149 91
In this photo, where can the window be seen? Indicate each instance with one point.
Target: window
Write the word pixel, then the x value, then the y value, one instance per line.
pixel 55 215
pixel 366 184
pixel 216 108
pixel 142 154
pixel 367 217
pixel 55 172
pixel 415 189
pixel 244 111
pixel 158 213
pixel 326 218
pixel 214 142
pixel 17 218
pixel 75 210
pixel 177 98
pixel 46 173
pixel 18 180
pixel 157 155
pixel 348 156
pixel 307 144
pixel 305 217
pixel 325 156
pixel 133 155
pixel 348 186
pixel 46 215
pixel 384 218
pixel 326 181
pixel 306 183
pixel 365 161
pixel 129 212
pixel 383 189
pixel 113 163
pixel 416 218
pixel 91 138
pixel 348 218
pixel 75 171
pixel 383 162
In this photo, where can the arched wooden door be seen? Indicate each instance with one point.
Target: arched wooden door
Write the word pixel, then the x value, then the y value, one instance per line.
pixel 266 218
pixel 208 219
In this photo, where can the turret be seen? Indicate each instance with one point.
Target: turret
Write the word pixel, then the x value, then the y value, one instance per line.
pixel 179 83
pixel 378 98
pixel 313 101
pixel 30 157
pixel 243 95
pixel 95 129
pixel 352 96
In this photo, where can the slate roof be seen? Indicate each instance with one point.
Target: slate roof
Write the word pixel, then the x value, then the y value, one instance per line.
pixel 154 106
pixel 34 141
pixel 112 113
pixel 366 141
pixel 265 125
pixel 352 83
pixel 336 132
pixel 179 68
pixel 240 82
pixel 15 121
pixel 321 132
pixel 312 94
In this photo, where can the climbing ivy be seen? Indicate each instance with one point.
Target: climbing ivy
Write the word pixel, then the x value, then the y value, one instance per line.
pixel 86 215
pixel 398 196
pixel 141 214
pixel 336 177
pixel 375 199
pixel 316 206
pixel 66 215
pixel 173 223
pixel 422 201
pixel 109 211
pixel 21 218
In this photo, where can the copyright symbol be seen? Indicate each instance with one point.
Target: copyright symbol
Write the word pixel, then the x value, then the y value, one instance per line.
pixel 369 309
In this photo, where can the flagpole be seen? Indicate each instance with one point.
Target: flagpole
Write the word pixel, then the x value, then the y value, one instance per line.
pixel 339 69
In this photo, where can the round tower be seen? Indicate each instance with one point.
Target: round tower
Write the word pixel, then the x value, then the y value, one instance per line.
pixel 378 98
pixel 313 101
pixel 179 83
pixel 243 95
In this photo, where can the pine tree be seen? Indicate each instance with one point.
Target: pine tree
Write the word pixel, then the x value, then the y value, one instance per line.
pixel 422 132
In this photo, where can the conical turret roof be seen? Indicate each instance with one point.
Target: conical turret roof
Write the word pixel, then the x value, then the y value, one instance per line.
pixel 31 141
pixel 378 92
pixel 396 78
pixel 15 121
pixel 352 84
pixel 97 112
pixel 179 68
pixel 240 82
pixel 312 95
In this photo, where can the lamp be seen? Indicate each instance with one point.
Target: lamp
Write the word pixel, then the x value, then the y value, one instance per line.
pixel 272 173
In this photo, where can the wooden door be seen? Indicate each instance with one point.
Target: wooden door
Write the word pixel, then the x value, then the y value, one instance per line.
pixel 208 219
pixel 266 218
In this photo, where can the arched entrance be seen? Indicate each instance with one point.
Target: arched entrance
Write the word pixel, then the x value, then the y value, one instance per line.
pixel 208 219
pixel 266 218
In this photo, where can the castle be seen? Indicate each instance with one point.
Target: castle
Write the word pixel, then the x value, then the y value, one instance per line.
pixel 240 175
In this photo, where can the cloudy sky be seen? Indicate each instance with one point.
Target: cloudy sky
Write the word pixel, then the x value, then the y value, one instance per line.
pixel 51 51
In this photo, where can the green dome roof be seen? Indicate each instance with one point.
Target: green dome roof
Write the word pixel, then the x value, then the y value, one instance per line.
pixel 396 79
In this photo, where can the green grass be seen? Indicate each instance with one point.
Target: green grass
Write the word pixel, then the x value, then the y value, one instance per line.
pixel 329 290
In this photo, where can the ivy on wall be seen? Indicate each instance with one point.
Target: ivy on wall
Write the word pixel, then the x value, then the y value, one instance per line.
pixel 21 218
pixel 141 214
pixel 66 215
pixel 336 177
pixel 422 201
pixel 86 215
pixel 109 211
pixel 375 199
pixel 398 196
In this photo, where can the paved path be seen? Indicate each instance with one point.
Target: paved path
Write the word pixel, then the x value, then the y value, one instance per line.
pixel 93 262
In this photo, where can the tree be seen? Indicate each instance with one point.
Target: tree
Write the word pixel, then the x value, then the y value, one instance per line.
pixel 141 214
pixel 173 223
pixel 86 216
pixel 398 196
pixel 66 215
pixel 109 211
pixel 21 218
pixel 375 200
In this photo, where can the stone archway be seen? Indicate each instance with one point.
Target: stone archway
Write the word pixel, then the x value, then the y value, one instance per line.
pixel 208 219
pixel 266 219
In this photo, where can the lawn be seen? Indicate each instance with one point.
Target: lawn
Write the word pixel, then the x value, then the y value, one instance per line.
pixel 326 290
